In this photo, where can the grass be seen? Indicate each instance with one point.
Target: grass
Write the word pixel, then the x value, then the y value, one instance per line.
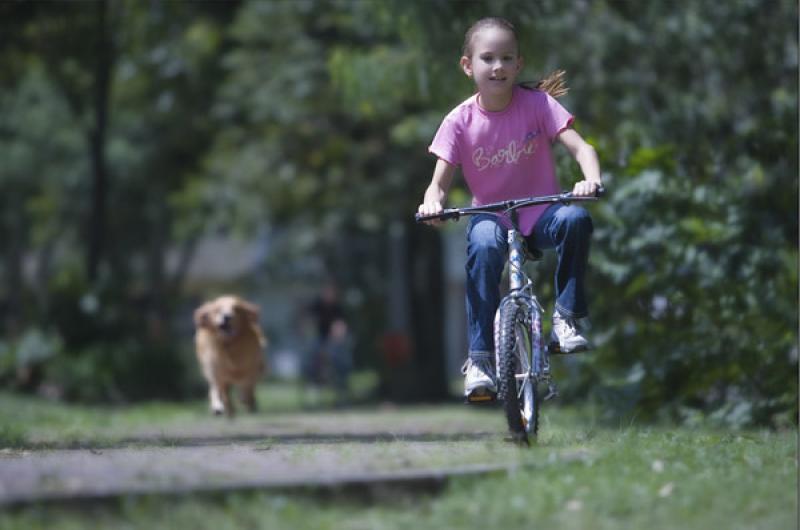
pixel 27 422
pixel 31 422
pixel 579 475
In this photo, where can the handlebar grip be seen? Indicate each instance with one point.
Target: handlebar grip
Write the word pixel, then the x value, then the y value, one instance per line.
pixel 444 216
pixel 598 193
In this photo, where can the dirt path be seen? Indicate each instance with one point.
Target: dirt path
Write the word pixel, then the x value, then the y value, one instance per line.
pixel 338 449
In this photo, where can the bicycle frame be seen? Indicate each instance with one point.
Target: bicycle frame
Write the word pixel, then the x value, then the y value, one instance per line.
pixel 521 292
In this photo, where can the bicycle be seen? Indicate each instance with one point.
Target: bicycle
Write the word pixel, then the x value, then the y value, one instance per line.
pixel 522 360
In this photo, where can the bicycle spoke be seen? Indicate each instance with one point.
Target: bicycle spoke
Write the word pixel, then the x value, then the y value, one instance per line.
pixel 516 377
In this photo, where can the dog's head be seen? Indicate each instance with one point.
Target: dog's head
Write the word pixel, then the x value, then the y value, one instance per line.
pixel 226 316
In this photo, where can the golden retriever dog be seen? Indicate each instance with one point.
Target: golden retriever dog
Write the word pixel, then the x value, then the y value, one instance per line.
pixel 229 344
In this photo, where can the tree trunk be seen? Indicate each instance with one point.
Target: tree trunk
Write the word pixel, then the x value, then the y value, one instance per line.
pixel 158 298
pixel 97 219
pixel 427 310
pixel 413 367
pixel 15 249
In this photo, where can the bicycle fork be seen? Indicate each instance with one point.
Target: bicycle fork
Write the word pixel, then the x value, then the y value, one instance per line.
pixel 540 367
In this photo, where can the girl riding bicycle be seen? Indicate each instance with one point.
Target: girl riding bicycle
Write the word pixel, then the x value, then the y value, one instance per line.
pixel 501 138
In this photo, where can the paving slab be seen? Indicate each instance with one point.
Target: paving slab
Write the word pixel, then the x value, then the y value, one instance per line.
pixel 419 448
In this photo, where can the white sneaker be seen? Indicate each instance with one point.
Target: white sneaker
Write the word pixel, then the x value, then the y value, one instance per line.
pixel 478 378
pixel 565 333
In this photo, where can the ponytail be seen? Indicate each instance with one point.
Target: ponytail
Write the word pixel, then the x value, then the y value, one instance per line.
pixel 553 84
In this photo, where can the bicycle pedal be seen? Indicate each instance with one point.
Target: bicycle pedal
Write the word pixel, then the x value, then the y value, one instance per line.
pixel 481 395
pixel 555 349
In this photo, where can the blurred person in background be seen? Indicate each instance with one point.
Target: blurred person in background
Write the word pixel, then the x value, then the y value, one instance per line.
pixel 330 360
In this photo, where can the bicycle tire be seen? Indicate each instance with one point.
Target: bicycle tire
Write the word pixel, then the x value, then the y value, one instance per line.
pixel 514 357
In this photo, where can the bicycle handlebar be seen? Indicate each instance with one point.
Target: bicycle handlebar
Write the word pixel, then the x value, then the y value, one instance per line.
pixel 507 206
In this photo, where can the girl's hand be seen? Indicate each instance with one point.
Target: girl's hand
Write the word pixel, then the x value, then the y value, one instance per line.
pixel 585 188
pixel 436 193
pixel 431 208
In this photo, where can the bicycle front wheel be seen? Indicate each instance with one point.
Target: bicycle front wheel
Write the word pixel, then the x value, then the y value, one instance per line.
pixel 516 385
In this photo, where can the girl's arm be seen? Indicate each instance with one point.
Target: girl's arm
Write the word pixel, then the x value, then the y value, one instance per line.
pixel 436 193
pixel 586 157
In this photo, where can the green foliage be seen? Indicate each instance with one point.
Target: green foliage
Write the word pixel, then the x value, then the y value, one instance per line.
pixel 28 352
pixel 310 121
pixel 703 320
pixel 374 82
pixel 694 261
pixel 699 233
pixel 12 436
pixel 114 331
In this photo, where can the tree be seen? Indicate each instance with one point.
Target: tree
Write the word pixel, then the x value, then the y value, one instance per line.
pixel 313 119
pixel 113 314
pixel 318 161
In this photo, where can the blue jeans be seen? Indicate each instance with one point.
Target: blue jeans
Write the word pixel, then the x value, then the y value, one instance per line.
pixel 567 229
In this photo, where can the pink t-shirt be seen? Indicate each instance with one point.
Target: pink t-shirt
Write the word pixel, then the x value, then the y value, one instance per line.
pixel 505 155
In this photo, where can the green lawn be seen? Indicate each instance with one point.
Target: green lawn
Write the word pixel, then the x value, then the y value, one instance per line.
pixel 37 423
pixel 623 476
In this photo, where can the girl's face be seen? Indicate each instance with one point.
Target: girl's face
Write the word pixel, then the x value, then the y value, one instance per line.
pixel 494 64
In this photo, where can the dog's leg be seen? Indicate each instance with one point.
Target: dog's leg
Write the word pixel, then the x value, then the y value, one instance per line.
pixel 217 407
pixel 249 397
pixel 203 357
pixel 225 395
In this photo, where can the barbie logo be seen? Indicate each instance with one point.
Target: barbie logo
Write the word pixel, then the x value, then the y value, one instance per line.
pixel 484 158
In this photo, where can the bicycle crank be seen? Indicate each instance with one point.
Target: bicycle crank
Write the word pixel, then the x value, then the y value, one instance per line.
pixel 552 391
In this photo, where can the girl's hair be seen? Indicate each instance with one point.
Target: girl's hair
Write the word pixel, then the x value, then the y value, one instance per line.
pixel 484 23
pixel 553 83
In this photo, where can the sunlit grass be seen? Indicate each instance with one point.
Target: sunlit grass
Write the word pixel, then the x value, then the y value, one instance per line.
pixel 33 421
pixel 36 420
